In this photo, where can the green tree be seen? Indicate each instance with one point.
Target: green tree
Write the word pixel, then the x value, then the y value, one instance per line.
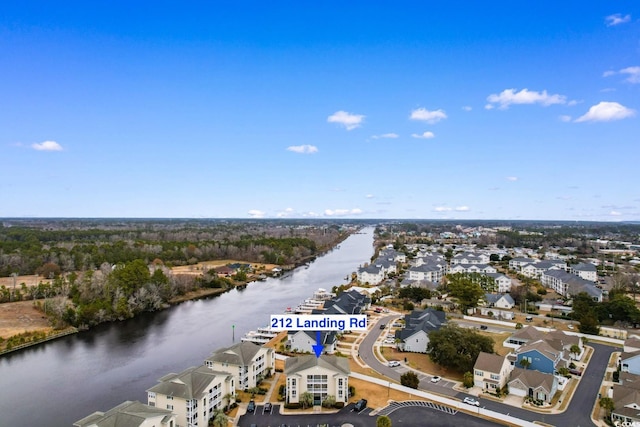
pixel 130 276
pixel 607 404
pixel 329 401
pixel 409 379
pixel 220 419
pixel 574 349
pixel 383 421
pixel 525 363
pixel 467 379
pixel 457 348
pixel 306 400
pixel 465 291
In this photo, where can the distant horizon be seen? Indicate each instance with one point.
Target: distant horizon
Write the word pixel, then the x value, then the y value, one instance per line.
pixel 334 219
pixel 451 110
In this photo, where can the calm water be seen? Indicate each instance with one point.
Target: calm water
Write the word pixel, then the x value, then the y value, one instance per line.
pixel 62 381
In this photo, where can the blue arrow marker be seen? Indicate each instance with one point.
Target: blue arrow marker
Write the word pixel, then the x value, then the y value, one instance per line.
pixel 318 347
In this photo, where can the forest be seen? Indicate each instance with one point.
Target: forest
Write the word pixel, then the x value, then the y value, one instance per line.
pixel 27 246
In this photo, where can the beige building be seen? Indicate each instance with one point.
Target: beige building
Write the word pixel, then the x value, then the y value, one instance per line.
pixel 321 376
pixel 193 395
pixel 130 414
pixel 248 362
pixel 491 372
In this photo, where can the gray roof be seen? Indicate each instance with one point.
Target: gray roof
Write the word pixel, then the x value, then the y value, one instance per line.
pixel 421 320
pixel 584 266
pixel 494 298
pixel 126 414
pixel 533 379
pixel 575 283
pixel 326 337
pixel 489 362
pixel 240 354
pixel 296 364
pixel 191 383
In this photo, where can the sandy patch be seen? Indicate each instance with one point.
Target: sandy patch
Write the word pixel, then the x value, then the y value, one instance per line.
pixel 19 317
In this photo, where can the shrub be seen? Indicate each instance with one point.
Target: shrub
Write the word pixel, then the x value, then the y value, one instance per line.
pixel 292 406
pixel 339 405
pixel 409 379
pixel 352 391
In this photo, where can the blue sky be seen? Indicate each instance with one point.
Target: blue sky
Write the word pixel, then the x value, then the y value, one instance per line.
pixel 462 110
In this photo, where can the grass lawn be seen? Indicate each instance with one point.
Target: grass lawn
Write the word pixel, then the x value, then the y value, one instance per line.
pixel 421 362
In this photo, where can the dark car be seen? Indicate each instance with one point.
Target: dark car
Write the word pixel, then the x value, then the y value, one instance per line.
pixel 483 327
pixel 383 326
pixel 267 407
pixel 251 406
pixel 577 372
pixel 360 405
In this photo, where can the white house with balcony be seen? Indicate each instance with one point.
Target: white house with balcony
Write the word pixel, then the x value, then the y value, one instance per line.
pixel 248 362
pixel 130 414
pixel 193 395
pixel 321 376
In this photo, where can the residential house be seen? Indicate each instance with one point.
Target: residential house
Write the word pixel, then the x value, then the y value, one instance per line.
pixel 504 301
pixel 537 269
pixel 348 302
pixel 585 270
pixel 248 362
pixel 503 282
pixel 303 341
pixel 414 336
pixel 430 272
pixel 470 258
pixel 540 356
pixel 321 376
pixel 472 268
pixel 372 274
pixel 517 263
pixel 626 400
pixel 491 372
pixel 567 284
pixel 559 340
pixel 130 414
pixel 193 395
pixel 535 384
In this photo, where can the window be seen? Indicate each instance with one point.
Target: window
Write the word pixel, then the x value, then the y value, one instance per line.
pixel 170 407
pixel 495 377
pixel 479 373
pixel 169 397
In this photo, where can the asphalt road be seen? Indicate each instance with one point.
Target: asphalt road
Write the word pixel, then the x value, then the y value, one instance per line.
pixel 578 413
pixel 409 416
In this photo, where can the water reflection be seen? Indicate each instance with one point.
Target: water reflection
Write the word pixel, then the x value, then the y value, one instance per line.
pixel 95 370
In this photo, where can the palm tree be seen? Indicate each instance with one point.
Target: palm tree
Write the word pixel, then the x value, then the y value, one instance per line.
pixel 608 404
pixel 574 349
pixel 220 419
pixel 306 399
pixel 227 397
pixel 524 362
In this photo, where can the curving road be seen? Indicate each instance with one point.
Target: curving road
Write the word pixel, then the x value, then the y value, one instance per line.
pixel 578 413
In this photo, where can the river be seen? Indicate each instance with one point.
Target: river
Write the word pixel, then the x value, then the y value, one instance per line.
pixel 62 381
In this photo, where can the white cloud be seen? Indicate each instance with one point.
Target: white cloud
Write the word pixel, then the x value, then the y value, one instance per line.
pixel 463 209
pixel 425 115
pixel 509 96
pixel 303 149
pixel 342 212
pixel 467 108
pixel 512 178
pixel 385 136
pixel 442 209
pixel 615 213
pixel 565 118
pixel 424 135
pixel 254 213
pixel 605 112
pixel 617 19
pixel 47 146
pixel 489 107
pixel 633 74
pixel 348 120
pixel 369 196
pixel 285 213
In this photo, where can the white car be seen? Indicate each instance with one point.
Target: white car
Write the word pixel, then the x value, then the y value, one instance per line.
pixel 435 379
pixel 394 363
pixel 570 326
pixel 471 401
pixel 389 341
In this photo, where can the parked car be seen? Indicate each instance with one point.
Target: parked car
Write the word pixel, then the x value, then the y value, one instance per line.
pixel 383 326
pixel 268 407
pixel 577 372
pixel 389 341
pixel 394 363
pixel 360 405
pixel 471 401
pixel 435 379
pixel 251 407
pixel 483 327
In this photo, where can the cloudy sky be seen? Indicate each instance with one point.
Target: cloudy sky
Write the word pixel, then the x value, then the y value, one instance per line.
pixel 413 109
